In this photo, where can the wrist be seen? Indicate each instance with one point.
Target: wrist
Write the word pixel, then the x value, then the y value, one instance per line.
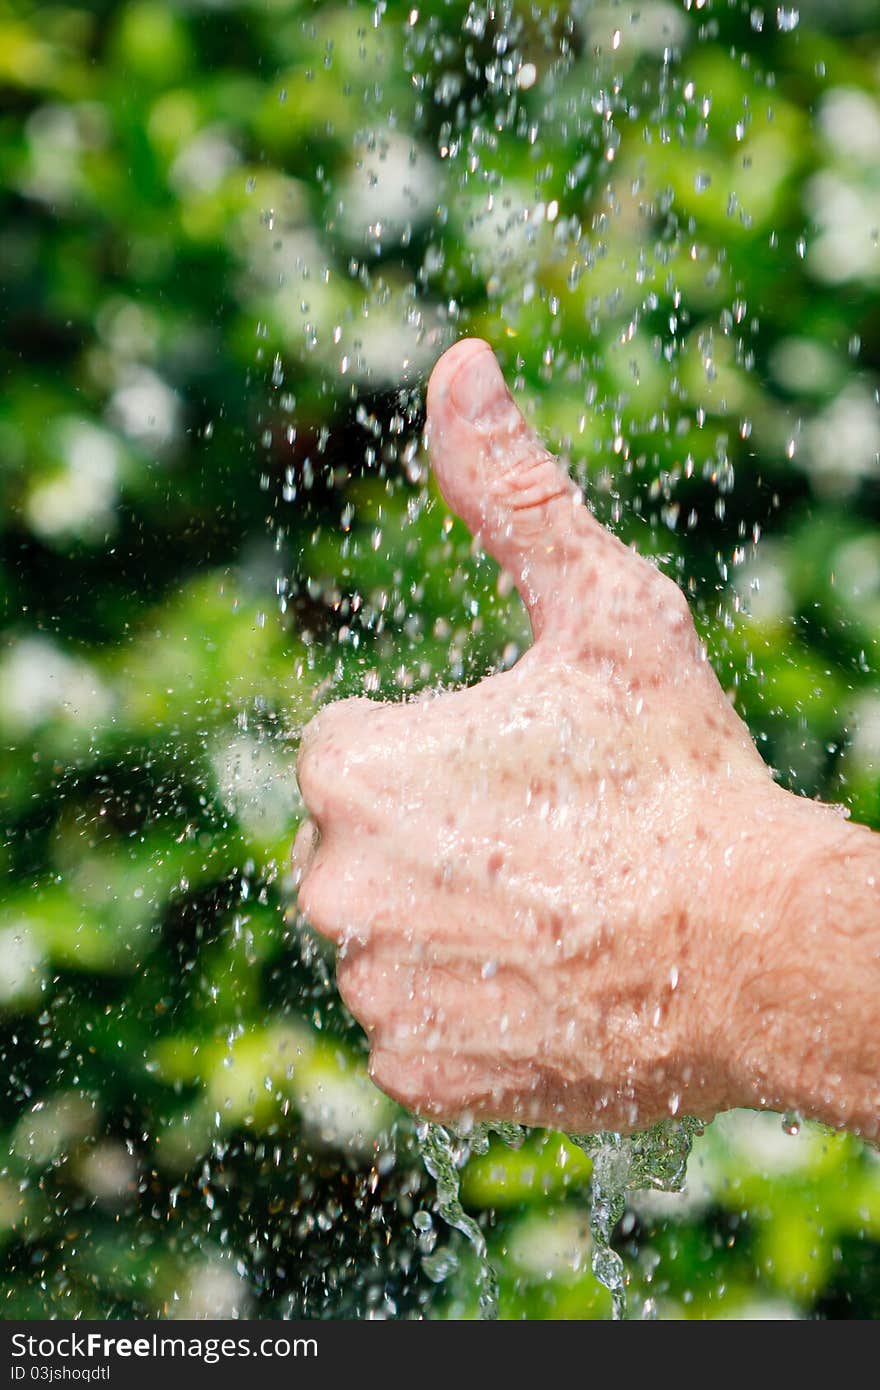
pixel 803 966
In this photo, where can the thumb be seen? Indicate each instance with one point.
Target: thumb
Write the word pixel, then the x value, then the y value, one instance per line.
pixel 514 496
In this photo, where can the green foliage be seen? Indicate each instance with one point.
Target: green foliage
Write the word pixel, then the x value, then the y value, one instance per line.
pixel 234 237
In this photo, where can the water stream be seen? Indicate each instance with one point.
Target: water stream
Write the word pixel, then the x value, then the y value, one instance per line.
pixel 653 1160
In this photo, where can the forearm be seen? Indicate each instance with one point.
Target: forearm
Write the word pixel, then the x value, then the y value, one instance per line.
pixel 808 975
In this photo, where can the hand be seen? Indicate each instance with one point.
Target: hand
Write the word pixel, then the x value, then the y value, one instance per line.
pixel 539 885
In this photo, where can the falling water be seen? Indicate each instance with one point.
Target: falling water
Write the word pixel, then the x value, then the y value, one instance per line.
pixel 653 1160
pixel 443 1152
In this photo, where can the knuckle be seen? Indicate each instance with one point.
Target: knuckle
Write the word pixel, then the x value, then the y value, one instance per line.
pixel 678 607
pixel 385 1071
pixel 325 746
pixel 532 481
pixel 401 1077
pixel 422 1087
pixel 341 716
pixel 309 774
pixel 304 900
pixel 669 598
pixel 315 902
pixel 353 983
pixel 316 769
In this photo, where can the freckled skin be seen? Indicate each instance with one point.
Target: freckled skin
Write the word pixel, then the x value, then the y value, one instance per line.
pixel 556 894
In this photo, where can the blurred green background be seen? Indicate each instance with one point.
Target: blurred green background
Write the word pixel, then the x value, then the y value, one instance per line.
pixel 234 237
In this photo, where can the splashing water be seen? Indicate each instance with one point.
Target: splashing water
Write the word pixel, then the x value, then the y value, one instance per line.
pixel 444 1151
pixel 653 1160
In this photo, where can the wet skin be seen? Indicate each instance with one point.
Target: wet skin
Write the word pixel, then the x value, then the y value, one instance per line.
pixel 572 895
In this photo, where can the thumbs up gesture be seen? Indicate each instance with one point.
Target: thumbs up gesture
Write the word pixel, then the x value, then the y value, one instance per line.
pixel 540 886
